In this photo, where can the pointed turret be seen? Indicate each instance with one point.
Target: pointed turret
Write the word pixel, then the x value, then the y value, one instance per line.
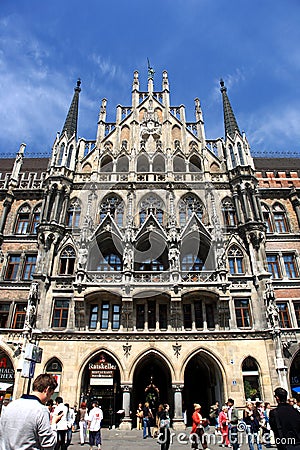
pixel 230 122
pixel 70 126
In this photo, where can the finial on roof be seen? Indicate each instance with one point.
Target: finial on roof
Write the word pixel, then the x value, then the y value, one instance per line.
pixel 151 71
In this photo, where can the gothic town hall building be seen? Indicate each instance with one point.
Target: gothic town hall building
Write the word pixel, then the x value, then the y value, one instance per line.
pixel 151 263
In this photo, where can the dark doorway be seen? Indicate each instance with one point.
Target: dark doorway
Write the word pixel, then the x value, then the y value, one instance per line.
pixel 202 384
pixel 101 382
pixel 151 383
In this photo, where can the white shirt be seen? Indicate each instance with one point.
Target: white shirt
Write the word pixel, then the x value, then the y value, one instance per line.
pixel 62 424
pixel 95 417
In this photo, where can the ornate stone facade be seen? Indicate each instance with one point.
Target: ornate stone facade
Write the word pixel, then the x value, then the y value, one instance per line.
pixel 152 263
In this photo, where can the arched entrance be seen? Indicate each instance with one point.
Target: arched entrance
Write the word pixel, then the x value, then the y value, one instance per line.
pixel 203 383
pixel 295 374
pixel 101 382
pixel 152 383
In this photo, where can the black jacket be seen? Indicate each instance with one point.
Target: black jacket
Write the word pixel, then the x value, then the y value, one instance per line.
pixel 287 424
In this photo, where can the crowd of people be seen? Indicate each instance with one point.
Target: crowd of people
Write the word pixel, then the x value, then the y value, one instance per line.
pixel 278 427
pixel 26 423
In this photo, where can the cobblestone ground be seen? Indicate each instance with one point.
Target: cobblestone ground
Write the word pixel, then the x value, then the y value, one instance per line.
pixel 132 440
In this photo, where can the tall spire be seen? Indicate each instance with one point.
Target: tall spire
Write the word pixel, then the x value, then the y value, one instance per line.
pixel 70 125
pixel 230 122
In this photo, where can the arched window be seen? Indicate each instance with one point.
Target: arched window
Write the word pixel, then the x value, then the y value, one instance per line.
pixel 232 156
pixel 23 220
pixel 267 218
pixel 241 155
pixel 228 211
pixel 106 164
pixel 250 373
pixel 123 164
pixel 67 261
pixel 235 260
pixel 113 205
pixel 54 366
pixel 73 214
pixel 280 220
pixel 159 164
pixel 69 156
pixel 143 164
pixel 195 164
pixel 179 164
pixel 36 217
pixel 151 204
pixel 60 154
pixel 187 206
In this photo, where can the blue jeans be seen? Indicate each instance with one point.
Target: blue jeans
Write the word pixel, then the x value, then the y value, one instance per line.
pixel 146 425
pixel 253 438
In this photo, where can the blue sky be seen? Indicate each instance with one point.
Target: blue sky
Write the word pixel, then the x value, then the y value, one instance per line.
pixel 46 45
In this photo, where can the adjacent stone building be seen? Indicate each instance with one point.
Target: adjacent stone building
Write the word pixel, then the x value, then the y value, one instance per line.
pixel 151 263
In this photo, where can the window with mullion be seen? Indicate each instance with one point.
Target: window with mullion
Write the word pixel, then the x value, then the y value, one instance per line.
pixel 273 265
pixel 280 222
pixel 290 265
pixel 210 317
pixel 19 316
pixel 12 267
pixel 22 226
pixel 60 314
pixel 116 310
pixel 236 264
pixel 284 316
pixel 104 315
pixel 29 267
pixel 242 313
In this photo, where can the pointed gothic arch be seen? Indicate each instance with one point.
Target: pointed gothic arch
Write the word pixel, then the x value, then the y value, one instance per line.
pixel 67 260
pixel 187 205
pixel 151 204
pixel 143 165
pixel 113 205
pixel 122 164
pixel 159 163
pixel 106 164
pixel 251 379
pixel 179 163
pixel 195 163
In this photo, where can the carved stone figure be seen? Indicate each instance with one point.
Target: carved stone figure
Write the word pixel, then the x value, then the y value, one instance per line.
pixel 174 258
pixel 128 259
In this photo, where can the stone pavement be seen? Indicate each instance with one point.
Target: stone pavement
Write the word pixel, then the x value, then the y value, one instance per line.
pixel 132 440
